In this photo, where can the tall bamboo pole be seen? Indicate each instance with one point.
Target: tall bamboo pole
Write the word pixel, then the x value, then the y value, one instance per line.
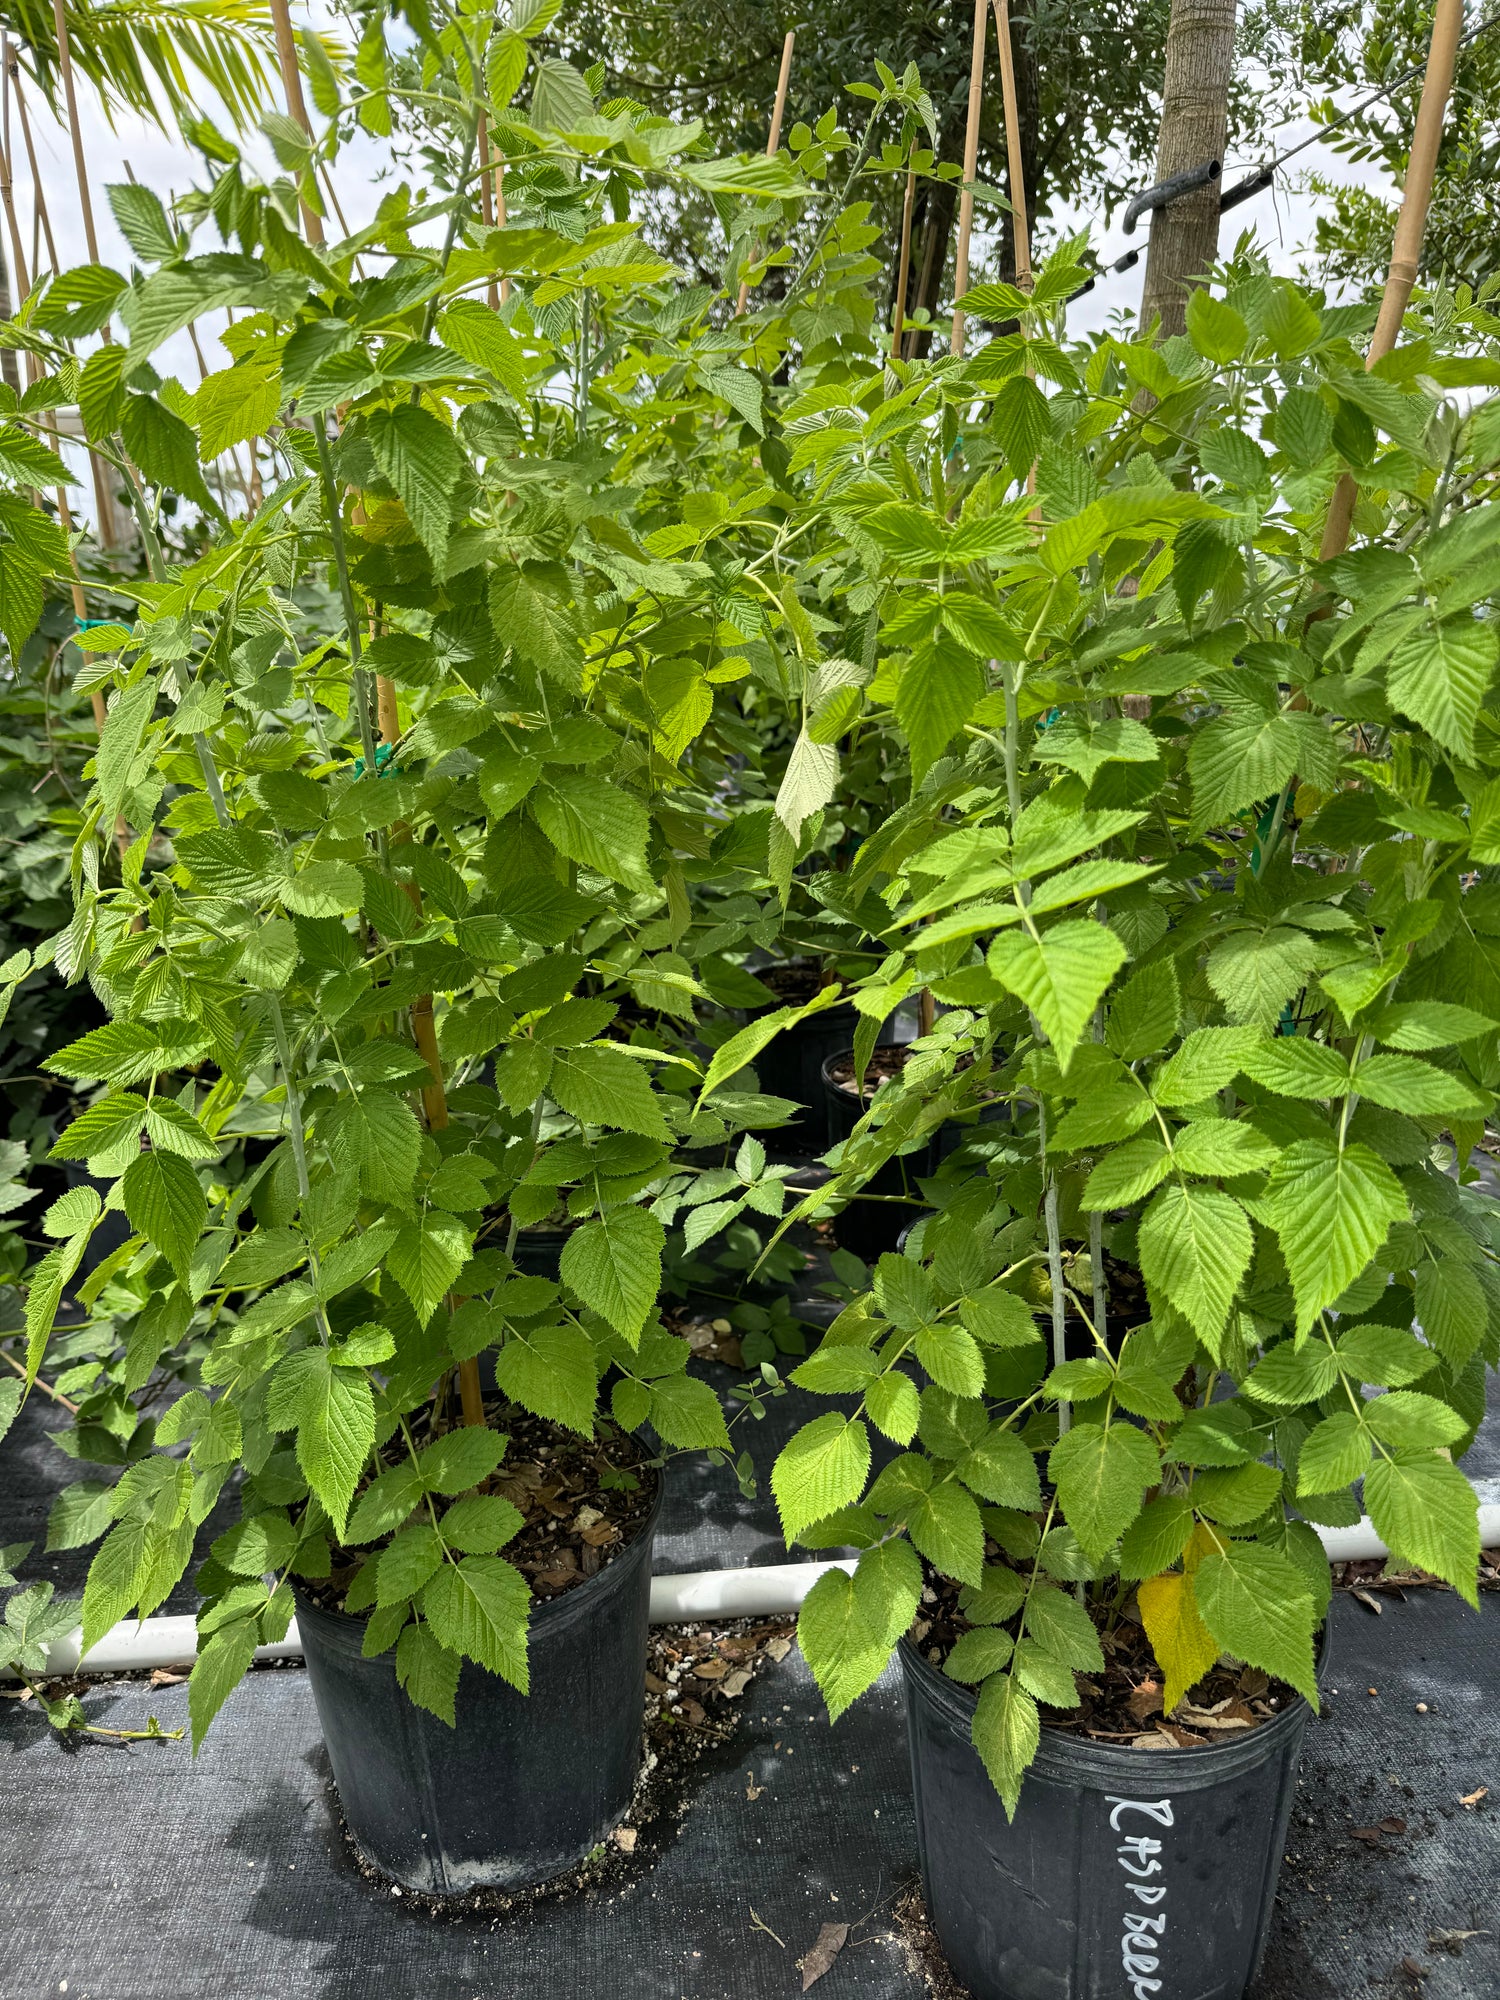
pixel 64 513
pixel 13 73
pixel 104 499
pixel 10 296
pixel 898 317
pixel 291 84
pixel 971 168
pixel 774 142
pixel 1411 227
pixel 491 204
pixel 1020 232
pixel 65 66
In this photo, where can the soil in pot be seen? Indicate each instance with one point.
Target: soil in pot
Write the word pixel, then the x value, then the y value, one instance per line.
pixel 1142 1860
pixel 525 1785
pixel 1123 1704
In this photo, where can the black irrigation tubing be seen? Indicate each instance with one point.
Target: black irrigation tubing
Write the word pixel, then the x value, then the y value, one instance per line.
pixel 1261 177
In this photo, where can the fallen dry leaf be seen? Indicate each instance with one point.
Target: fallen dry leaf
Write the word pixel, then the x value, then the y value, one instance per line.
pixel 736 1683
pixel 1390 1824
pixel 778 1648
pixel 1145 1700
pixel 1370 1603
pixel 167 1677
pixel 1453 1941
pixel 1217 1717
pixel 711 1670
pixel 1473 1798
pixel 829 1943
pixel 1177 1737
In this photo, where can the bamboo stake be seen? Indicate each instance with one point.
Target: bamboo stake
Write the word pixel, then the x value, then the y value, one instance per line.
pixel 500 216
pixel 491 192
pixel 65 65
pixel 104 499
pixel 1411 227
pixel 64 513
pixel 13 74
pixel 971 168
pixel 291 84
pixel 774 142
pixel 898 318
pixel 424 1034
pixel 1021 235
pixel 254 490
pixel 333 195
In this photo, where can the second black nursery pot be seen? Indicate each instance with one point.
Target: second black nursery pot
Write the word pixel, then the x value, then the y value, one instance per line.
pixel 525 1785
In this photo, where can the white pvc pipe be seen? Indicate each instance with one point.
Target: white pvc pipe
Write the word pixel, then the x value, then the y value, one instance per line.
pixel 758 1591
pixel 149 1642
pixel 755 1591
pixel 1361 1543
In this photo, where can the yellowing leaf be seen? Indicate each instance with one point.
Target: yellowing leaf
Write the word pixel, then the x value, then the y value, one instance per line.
pixel 1183 1646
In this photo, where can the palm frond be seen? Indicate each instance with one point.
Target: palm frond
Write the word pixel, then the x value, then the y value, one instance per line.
pixel 156 56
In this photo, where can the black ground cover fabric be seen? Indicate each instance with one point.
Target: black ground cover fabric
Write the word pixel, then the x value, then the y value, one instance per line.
pixel 137 1872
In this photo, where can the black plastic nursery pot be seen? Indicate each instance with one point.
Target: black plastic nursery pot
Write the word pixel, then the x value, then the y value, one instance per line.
pixel 538 1252
pixel 525 1785
pixel 792 1065
pixel 870 1225
pixel 1126 1874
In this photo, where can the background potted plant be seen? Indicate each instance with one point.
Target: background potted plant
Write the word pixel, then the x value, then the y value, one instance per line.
pixel 421 857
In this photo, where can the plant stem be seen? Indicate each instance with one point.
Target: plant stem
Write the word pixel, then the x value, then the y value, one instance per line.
pixel 211 777
pixel 1055 1273
pixel 866 146
pixel 46 1387
pixel 536 1132
pixel 1049 1199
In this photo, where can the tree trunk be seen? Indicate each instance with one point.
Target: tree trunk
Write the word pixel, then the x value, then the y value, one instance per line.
pixel 1194 122
pixel 937 233
pixel 1023 34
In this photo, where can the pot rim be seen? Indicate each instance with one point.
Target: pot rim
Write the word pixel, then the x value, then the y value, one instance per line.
pixel 346 1631
pixel 839 1055
pixel 1073 1760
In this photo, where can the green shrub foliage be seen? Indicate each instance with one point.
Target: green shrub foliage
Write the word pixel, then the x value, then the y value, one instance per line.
pixel 592 640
